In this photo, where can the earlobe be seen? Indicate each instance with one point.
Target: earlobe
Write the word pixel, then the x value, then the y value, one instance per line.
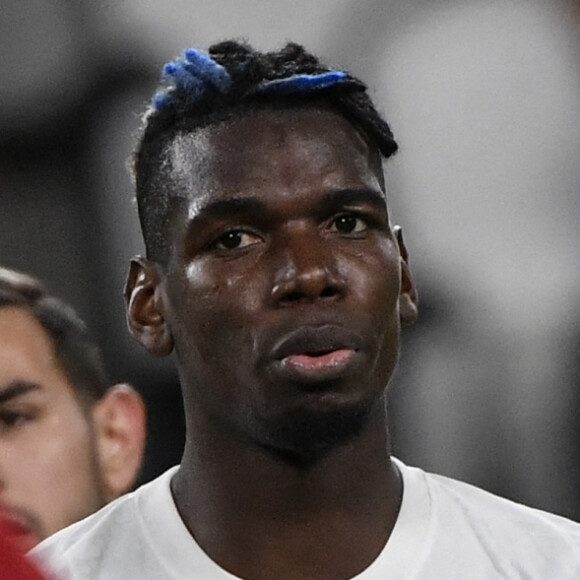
pixel 119 420
pixel 408 299
pixel 144 303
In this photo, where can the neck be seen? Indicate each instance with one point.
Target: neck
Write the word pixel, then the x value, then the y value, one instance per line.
pixel 259 516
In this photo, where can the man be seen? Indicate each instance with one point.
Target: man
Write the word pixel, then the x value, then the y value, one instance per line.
pixel 274 272
pixel 68 442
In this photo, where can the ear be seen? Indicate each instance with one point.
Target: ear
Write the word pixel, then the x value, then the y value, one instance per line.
pixel 144 302
pixel 119 420
pixel 408 300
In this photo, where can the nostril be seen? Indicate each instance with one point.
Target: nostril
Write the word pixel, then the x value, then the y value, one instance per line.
pixel 301 296
pixel 328 292
pixel 294 296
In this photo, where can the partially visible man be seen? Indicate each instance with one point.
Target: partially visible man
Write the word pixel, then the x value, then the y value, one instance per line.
pixel 69 442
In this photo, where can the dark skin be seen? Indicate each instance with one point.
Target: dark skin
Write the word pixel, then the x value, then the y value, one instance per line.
pixel 283 298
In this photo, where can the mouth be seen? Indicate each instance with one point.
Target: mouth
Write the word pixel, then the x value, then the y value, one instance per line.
pixel 314 354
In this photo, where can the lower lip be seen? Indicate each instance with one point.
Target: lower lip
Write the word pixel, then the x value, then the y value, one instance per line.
pixel 324 367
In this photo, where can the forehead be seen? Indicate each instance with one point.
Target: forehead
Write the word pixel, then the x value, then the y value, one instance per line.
pixel 293 149
pixel 26 353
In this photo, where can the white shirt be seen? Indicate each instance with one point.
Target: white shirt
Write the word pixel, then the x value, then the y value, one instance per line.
pixel 445 530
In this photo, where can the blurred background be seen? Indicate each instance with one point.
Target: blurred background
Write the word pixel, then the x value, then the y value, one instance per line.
pixel 484 99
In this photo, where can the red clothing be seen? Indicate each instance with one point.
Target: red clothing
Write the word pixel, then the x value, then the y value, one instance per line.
pixel 13 563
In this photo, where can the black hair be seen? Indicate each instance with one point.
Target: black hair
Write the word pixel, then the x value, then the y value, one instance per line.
pixel 76 353
pixel 232 80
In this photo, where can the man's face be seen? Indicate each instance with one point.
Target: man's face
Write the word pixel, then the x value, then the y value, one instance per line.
pixel 282 291
pixel 48 467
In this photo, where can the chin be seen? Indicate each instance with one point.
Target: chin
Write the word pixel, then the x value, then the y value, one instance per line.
pixel 303 436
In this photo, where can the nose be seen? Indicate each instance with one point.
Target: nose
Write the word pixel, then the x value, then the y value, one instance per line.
pixel 305 270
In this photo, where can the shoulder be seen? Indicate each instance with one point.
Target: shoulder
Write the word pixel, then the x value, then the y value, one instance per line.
pixel 479 525
pixel 501 513
pixel 84 547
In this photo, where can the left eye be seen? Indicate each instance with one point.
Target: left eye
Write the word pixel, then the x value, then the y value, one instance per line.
pixel 236 239
pixel 348 224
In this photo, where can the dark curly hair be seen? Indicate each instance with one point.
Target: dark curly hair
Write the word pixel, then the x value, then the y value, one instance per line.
pixel 234 79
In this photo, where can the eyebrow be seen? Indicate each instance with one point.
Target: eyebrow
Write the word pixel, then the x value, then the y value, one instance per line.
pixel 229 208
pixel 15 389
pixel 225 208
pixel 353 196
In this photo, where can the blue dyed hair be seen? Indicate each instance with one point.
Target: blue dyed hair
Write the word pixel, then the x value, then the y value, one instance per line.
pixel 202 89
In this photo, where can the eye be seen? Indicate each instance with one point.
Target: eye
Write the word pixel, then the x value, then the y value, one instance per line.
pixel 348 223
pixel 235 239
pixel 13 419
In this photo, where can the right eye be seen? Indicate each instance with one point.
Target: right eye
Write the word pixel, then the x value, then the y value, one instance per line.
pixel 236 239
pixel 11 419
pixel 349 223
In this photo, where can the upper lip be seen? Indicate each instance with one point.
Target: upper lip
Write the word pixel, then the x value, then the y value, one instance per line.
pixel 315 340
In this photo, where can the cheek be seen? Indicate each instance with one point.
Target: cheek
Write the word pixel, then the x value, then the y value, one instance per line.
pixel 206 277
pixel 376 288
pixel 214 310
pixel 76 485
pixel 222 291
pixel 375 280
pixel 66 451
pixel 390 340
pixel 53 472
